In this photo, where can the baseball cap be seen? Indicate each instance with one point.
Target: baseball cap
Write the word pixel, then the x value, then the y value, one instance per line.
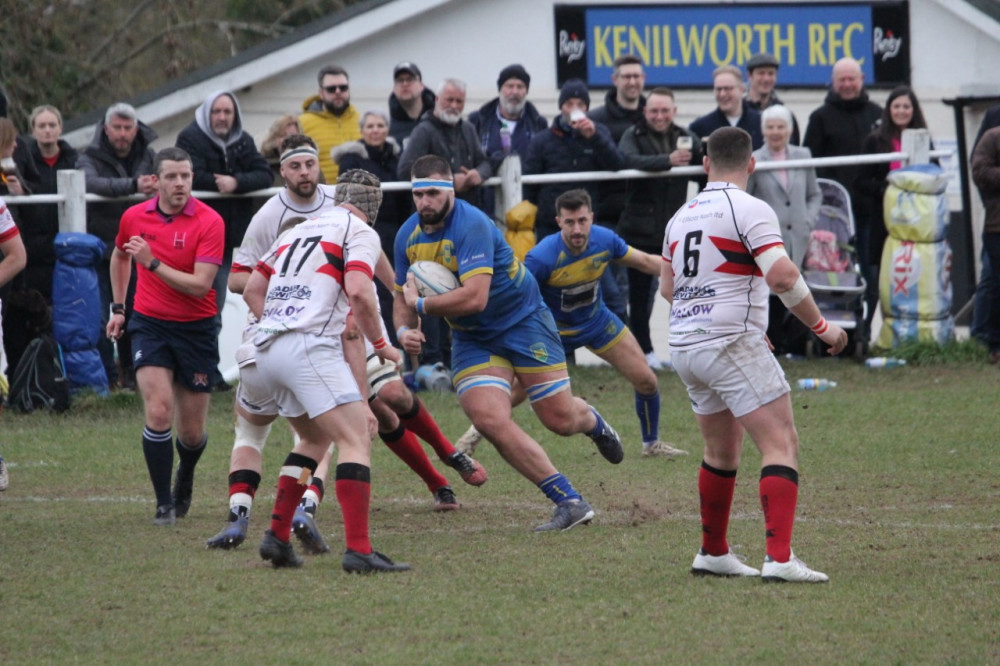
pixel 408 67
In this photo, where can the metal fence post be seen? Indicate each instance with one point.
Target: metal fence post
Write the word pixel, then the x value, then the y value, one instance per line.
pixel 917 144
pixel 73 210
pixel 509 192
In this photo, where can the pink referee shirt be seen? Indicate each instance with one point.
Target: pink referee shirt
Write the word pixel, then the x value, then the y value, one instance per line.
pixel 196 234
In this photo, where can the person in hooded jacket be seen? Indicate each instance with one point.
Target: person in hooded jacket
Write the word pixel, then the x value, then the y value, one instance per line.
pixel 225 159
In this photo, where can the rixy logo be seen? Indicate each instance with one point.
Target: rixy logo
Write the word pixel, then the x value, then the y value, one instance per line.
pixel 886 44
pixel 571 47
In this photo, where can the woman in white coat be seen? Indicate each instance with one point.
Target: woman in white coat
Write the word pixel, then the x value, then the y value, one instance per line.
pixel 795 197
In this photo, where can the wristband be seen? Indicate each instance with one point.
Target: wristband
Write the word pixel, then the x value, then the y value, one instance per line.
pixel 380 343
pixel 118 309
pixel 420 305
pixel 153 265
pixel 821 326
pixel 399 331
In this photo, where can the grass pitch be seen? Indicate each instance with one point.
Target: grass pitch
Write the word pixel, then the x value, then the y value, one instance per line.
pixel 898 504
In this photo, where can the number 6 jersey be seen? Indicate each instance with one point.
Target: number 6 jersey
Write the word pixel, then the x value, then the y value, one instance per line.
pixel 711 243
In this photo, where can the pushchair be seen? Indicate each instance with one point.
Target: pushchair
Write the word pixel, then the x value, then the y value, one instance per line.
pixel 832 271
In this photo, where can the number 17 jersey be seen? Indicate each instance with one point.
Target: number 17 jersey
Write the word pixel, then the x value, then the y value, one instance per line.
pixel 711 242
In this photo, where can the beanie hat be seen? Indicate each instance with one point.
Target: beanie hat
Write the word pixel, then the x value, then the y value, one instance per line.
pixel 574 88
pixel 360 189
pixel 514 72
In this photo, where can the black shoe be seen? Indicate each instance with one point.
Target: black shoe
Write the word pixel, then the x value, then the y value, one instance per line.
pixel 279 553
pixel 304 527
pixel 444 499
pixel 373 562
pixel 608 443
pixel 183 489
pixel 165 516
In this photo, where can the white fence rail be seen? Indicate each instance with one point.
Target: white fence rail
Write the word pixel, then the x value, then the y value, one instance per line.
pixel 72 196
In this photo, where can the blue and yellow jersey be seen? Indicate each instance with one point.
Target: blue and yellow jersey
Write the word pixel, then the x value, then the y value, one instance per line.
pixel 470 244
pixel 571 284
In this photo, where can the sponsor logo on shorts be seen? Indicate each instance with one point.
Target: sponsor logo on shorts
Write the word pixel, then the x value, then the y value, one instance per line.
pixel 200 379
pixel 539 351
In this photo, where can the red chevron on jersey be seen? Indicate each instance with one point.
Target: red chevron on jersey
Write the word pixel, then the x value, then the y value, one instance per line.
pixel 738 259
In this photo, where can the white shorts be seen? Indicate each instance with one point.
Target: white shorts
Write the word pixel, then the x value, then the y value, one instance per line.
pixel 253 394
pixel 306 374
pixel 739 374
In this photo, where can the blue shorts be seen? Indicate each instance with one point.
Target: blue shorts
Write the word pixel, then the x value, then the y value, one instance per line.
pixel 530 346
pixel 189 348
pixel 602 332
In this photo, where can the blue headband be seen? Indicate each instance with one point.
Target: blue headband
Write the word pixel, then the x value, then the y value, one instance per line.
pixel 424 183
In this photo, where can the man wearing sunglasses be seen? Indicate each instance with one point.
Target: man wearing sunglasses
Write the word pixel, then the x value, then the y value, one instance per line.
pixel 330 118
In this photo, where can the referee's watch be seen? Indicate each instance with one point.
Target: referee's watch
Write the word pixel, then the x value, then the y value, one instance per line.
pixel 153 265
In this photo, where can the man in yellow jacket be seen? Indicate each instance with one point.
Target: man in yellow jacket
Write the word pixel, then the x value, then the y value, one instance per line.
pixel 330 118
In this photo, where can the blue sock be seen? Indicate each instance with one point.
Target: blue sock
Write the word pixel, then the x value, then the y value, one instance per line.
pixel 558 488
pixel 600 424
pixel 647 408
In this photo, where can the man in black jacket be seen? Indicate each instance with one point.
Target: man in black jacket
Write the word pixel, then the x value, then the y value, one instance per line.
pixel 226 160
pixel 843 121
pixel 732 109
pixel 654 143
pixel 408 101
pixel 118 162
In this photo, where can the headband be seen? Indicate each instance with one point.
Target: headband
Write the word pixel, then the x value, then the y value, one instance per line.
pixel 425 183
pixel 299 150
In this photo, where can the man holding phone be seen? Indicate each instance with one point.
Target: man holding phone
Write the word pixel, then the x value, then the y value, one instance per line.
pixel 655 143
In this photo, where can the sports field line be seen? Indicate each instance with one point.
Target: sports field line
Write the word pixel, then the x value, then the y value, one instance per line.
pixel 618 516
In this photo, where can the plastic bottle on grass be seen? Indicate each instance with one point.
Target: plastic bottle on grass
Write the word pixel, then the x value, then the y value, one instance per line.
pixel 885 362
pixel 816 384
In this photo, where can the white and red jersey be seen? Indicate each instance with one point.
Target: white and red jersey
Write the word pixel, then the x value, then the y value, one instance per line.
pixel 306 269
pixel 263 229
pixel 8 229
pixel 711 243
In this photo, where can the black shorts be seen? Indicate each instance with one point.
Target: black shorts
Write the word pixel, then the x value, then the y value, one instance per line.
pixel 189 348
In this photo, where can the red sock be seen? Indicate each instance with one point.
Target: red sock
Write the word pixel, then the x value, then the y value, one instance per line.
pixel 404 444
pixel 779 492
pixel 420 421
pixel 292 482
pixel 244 481
pixel 353 486
pixel 715 489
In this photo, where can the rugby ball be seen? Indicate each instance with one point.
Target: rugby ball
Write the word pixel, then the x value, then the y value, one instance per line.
pixel 432 278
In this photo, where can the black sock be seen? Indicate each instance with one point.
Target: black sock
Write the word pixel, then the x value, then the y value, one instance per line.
pixel 189 456
pixel 159 461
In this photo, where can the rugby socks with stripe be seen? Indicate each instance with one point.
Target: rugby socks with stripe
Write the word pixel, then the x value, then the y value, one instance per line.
pixel 313 496
pixel 353 483
pixel 404 444
pixel 779 493
pixel 647 408
pixel 157 447
pixel 243 485
pixel 419 421
pixel 558 488
pixel 295 476
pixel 715 489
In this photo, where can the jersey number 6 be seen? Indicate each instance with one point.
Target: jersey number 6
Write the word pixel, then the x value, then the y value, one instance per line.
pixel 691 253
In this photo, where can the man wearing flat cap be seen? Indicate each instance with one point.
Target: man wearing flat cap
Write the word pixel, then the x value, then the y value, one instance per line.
pixel 762 75
pixel 408 101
